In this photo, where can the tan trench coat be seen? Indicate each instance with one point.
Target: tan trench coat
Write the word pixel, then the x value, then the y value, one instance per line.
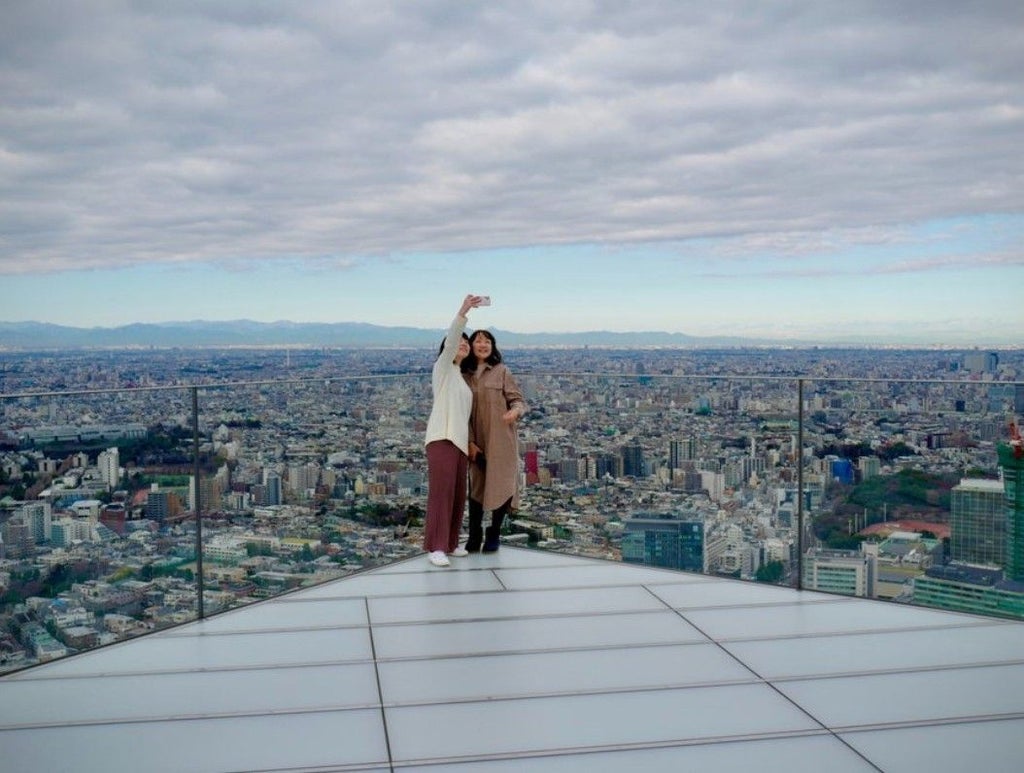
pixel 495 391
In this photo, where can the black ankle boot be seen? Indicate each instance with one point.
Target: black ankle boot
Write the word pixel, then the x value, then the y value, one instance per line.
pixel 492 537
pixel 476 526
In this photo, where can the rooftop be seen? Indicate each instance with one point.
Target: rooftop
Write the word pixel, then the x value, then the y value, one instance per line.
pixel 531 660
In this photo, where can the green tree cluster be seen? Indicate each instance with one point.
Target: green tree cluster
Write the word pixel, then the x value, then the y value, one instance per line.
pixel 770 572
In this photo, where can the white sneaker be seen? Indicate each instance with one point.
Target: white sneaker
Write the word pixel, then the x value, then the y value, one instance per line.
pixel 459 552
pixel 438 558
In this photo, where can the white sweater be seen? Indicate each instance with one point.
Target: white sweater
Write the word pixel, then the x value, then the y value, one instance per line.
pixel 453 399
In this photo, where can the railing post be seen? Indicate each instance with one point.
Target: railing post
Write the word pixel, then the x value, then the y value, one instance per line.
pixel 197 502
pixel 800 484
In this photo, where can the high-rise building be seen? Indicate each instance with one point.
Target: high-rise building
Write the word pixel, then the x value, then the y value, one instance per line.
pixel 978 522
pixel 664 540
pixel 734 474
pixel 680 451
pixel 1011 462
pixel 38 517
pixel 608 464
pixel 161 505
pixel 633 460
pixel 869 467
pixel 15 539
pixel 981 362
pixel 273 494
pixel 841 470
pixel 110 470
pixel 530 461
pixel 569 470
pixel 303 477
pixel 713 483
pixel 210 493
pixel 1001 397
pixel 114 517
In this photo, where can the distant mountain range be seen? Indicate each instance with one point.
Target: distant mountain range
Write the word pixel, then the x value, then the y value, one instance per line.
pixel 242 333
pixel 355 335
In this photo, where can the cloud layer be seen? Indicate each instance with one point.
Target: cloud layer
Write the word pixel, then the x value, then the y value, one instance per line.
pixel 153 132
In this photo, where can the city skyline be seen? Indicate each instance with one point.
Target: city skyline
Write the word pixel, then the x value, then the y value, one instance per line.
pixel 828 173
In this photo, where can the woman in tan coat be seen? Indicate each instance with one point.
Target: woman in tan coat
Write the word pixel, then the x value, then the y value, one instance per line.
pixel 493 443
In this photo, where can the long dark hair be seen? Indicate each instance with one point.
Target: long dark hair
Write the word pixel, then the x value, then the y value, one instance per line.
pixel 470 364
pixel 441 347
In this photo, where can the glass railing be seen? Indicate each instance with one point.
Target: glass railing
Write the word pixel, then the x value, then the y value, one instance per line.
pixel 886 488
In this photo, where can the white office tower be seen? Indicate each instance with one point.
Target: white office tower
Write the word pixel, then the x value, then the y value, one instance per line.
pixel 713 483
pixel 849 572
pixel 109 463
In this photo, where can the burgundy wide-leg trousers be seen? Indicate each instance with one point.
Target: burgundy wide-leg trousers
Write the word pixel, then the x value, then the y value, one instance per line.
pixel 446 499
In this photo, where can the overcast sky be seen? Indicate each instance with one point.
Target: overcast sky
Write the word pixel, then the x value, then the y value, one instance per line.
pixel 774 168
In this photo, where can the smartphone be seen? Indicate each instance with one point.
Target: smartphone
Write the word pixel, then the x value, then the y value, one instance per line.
pixel 485 300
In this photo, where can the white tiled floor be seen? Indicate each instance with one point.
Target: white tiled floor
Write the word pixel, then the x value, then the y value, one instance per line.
pixel 524 660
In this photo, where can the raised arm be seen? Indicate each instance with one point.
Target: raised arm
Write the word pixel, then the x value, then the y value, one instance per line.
pixel 451 340
pixel 469 302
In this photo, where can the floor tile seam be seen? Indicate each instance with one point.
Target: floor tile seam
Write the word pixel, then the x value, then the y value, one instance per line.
pixel 835 633
pixel 260 631
pixel 516 618
pixel 175 633
pixel 513 618
pixel 699 580
pixel 733 606
pixel 482 568
pixel 594 749
pixel 295 664
pixel 501 589
pixel 352 767
pixel 767 683
pixel 213 716
pixel 379 686
pixel 136 673
pixel 934 669
pixel 909 724
pixel 465 655
pixel 558 588
pixel 838 731
pixel 459 566
pixel 288 601
pixel 567 587
pixel 651 610
pixel 497 579
pixel 596 692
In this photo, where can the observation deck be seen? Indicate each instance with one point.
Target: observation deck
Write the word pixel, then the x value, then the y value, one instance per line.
pixel 529 660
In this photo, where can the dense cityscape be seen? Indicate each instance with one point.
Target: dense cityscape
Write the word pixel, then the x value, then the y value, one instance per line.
pixel 311 468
